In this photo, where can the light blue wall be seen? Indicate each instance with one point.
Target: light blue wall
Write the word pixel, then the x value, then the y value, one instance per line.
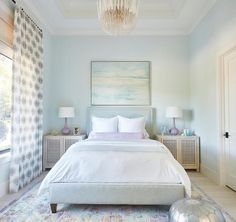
pixel 68 83
pixel 216 32
pixel 47 84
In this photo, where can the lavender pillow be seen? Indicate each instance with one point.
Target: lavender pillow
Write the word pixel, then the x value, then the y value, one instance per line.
pixel 116 136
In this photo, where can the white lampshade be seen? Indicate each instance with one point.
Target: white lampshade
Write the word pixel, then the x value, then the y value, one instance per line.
pixel 66 112
pixel 174 112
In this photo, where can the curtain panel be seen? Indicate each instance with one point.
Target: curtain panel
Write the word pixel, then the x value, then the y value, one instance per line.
pixel 27 110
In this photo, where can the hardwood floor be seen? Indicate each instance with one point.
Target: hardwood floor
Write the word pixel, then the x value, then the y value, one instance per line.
pixel 223 196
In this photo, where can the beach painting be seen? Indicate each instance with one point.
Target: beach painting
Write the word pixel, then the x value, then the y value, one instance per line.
pixel 120 83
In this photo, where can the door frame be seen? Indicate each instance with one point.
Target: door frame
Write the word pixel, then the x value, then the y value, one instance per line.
pixel 221 150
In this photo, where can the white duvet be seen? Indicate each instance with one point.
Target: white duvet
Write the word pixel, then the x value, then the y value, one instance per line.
pixel 137 161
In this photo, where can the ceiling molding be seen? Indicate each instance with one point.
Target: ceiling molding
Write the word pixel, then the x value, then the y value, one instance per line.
pixel 140 32
pixel 151 9
pixel 87 13
pixel 32 10
pixel 181 22
pixel 201 16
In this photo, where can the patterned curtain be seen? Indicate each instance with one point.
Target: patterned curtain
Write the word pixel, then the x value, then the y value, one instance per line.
pixel 26 152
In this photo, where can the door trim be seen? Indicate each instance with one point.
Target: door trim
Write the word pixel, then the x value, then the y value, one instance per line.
pixel 221 153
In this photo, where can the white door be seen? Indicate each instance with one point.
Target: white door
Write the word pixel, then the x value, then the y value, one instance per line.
pixel 230 117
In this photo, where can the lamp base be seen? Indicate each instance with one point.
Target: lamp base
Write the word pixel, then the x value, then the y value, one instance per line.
pixel 174 131
pixel 65 131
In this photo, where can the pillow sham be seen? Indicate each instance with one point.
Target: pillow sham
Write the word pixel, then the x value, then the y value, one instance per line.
pixel 104 125
pixel 116 136
pixel 131 125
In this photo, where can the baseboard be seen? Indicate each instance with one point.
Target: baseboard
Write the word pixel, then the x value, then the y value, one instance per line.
pixel 4 188
pixel 211 174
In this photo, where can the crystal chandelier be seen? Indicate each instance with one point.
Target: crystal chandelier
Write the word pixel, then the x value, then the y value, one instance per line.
pixel 117 17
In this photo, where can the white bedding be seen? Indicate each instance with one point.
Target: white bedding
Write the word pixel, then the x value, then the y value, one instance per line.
pixel 136 161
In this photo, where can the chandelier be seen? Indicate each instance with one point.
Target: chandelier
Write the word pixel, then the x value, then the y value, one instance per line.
pixel 117 17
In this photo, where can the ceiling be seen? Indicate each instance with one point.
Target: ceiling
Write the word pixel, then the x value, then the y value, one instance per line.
pixel 156 17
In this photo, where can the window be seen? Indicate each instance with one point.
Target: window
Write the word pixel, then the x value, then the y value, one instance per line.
pixel 5 102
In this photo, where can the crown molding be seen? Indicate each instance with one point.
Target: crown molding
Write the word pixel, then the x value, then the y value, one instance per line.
pixel 201 16
pixel 33 10
pixel 30 8
pixel 149 11
pixel 137 32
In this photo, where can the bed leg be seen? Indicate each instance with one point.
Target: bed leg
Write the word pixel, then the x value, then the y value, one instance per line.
pixel 53 208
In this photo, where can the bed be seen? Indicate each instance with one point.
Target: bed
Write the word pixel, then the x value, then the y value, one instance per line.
pixel 117 171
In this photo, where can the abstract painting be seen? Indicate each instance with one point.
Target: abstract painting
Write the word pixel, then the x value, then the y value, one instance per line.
pixel 120 83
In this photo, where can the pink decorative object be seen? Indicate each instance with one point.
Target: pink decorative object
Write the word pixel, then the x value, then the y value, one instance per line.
pixel 174 112
pixel 66 112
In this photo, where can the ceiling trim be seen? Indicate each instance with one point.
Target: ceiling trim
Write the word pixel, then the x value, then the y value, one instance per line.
pixel 174 10
pixel 64 13
pixel 201 16
pixel 31 7
pixel 139 32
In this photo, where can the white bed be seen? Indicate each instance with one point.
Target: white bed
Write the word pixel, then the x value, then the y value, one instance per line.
pixel 134 172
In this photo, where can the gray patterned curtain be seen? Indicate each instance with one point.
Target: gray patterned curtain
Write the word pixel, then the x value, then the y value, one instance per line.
pixel 26 152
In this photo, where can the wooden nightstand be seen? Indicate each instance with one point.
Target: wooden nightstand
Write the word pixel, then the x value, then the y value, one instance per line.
pixel 185 149
pixel 55 146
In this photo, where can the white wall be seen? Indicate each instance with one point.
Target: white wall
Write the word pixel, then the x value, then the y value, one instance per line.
pixel 69 80
pixel 216 32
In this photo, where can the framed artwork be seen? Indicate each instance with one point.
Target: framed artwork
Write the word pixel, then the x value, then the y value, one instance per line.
pixel 76 131
pixel 120 83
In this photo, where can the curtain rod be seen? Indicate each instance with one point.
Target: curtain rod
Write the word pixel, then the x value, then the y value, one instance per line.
pixel 29 17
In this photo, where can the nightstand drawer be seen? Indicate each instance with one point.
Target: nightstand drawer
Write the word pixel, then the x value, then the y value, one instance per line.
pixel 172 146
pixel 70 140
pixel 55 146
pixel 185 149
pixel 188 151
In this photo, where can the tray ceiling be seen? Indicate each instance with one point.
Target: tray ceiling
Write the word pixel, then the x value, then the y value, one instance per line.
pixel 156 17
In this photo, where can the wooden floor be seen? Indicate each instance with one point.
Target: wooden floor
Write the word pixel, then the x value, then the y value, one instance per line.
pixel 223 196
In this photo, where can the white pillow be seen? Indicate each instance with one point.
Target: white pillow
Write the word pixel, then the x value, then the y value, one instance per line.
pixel 104 125
pixel 127 125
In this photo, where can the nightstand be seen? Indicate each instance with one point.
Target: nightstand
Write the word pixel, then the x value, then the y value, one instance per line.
pixel 185 149
pixel 55 146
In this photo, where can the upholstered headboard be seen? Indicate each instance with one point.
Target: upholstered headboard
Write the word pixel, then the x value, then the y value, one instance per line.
pixel 126 111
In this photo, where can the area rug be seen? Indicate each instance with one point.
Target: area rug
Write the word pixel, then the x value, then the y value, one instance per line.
pixel 33 208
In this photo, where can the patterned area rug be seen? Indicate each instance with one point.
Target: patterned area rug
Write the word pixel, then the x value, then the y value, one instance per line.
pixel 32 208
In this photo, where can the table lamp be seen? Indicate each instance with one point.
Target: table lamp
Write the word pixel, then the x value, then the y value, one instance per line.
pixel 66 112
pixel 174 112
